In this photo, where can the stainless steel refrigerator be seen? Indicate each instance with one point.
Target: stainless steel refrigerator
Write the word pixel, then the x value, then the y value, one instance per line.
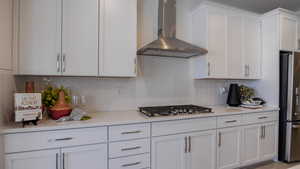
pixel 289 123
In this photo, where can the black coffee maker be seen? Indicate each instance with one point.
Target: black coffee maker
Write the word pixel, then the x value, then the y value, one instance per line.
pixel 234 96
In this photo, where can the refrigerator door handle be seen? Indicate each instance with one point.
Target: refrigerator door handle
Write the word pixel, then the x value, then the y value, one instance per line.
pixel 296 126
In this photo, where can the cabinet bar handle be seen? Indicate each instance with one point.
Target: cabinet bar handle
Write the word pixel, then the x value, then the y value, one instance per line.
pixel 64 139
pixel 64 161
pixel 220 139
pixel 262 132
pixel 131 148
pixel 248 70
pixel 264 127
pixel 232 121
pixel 131 164
pixel 263 117
pixel 64 63
pixel 190 144
pixel 246 74
pixel 56 160
pixel 58 63
pixel 135 66
pixel 208 67
pixel 185 144
pixel 131 132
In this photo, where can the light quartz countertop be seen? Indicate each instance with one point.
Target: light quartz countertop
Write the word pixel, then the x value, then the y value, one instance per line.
pixel 124 117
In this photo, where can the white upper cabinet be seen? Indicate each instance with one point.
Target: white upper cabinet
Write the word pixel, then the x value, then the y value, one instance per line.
pixel 209 31
pixel 118 38
pixel 233 41
pixel 235 45
pixel 5 34
pixel 252 48
pixel 288 32
pixel 76 37
pixel 216 27
pixel 39 37
pixel 80 38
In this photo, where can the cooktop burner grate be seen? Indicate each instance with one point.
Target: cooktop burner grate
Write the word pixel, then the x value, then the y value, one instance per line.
pixel 173 110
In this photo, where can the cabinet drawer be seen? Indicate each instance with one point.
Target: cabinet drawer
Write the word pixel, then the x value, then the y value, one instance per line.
pixel 126 148
pixel 54 139
pixel 132 162
pixel 260 117
pixel 183 126
pixel 229 121
pixel 127 132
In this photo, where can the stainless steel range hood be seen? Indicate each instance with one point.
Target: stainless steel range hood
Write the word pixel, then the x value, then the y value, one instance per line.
pixel 167 45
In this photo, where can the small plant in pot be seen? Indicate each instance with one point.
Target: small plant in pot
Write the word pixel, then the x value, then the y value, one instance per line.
pixel 246 93
pixel 57 102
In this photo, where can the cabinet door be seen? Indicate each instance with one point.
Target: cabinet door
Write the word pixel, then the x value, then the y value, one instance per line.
pixel 217 31
pixel 5 34
pixel 48 159
pixel 118 38
pixel 235 46
pixel 202 153
pixel 169 152
pixel 268 147
pixel 251 140
pixel 288 33
pixel 252 48
pixel 90 157
pixel 39 35
pixel 80 38
pixel 229 144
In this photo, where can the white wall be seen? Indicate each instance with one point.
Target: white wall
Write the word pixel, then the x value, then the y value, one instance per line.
pixel 161 81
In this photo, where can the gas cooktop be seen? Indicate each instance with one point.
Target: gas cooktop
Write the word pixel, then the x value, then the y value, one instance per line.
pixel 173 110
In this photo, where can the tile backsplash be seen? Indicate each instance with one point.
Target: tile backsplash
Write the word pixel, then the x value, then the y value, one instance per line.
pixel 160 81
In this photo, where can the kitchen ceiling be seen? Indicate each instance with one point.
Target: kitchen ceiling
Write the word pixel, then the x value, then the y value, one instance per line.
pixel 262 6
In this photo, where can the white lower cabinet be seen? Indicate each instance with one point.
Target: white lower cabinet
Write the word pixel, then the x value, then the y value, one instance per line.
pixel 184 151
pixel 259 143
pixel 251 141
pixel 47 159
pixel 169 152
pixel 91 157
pixel 202 150
pixel 268 143
pixel 224 142
pixel 229 148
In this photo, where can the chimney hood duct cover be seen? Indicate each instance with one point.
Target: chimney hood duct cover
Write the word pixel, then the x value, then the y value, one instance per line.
pixel 167 45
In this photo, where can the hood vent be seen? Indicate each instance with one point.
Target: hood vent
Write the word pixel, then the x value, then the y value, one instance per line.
pixel 167 45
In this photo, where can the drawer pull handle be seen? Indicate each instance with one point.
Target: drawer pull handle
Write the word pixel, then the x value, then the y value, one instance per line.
pixel 232 121
pixel 131 148
pixel 264 117
pixel 131 132
pixel 64 139
pixel 131 164
pixel 185 144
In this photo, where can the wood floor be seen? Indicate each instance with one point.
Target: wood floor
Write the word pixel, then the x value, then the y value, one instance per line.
pixel 273 165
